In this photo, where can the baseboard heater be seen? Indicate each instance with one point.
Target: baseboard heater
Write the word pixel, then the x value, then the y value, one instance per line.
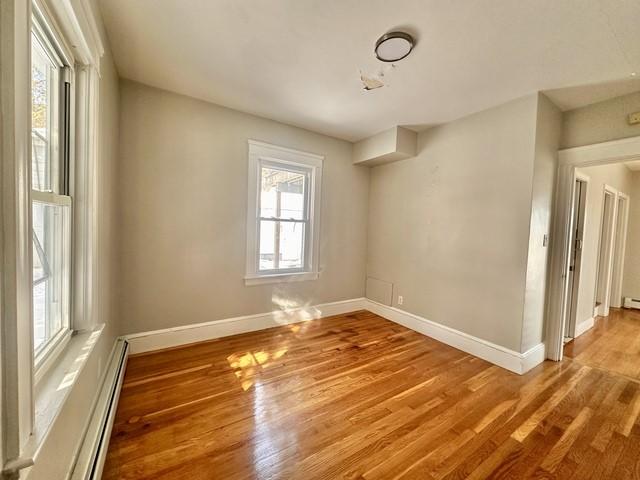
pixel 632 302
pixel 90 459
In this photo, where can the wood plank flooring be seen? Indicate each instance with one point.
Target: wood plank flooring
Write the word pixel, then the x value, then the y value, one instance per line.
pixel 612 344
pixel 359 397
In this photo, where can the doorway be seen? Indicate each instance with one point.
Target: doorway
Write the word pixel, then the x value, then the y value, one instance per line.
pixel 560 299
pixel 622 222
pixel 575 263
pixel 604 273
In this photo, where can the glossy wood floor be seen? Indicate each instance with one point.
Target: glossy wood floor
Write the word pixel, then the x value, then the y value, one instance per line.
pixel 613 343
pixel 357 396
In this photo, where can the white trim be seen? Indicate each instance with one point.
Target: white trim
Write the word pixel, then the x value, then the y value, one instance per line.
pixel 619 250
pixel 259 152
pixel 15 231
pixel 50 198
pixel 584 326
pixel 579 177
pixel 610 246
pixel 503 357
pixel 280 278
pixel 269 147
pixel 172 337
pixel 570 159
pixel 77 20
pixel 47 358
pixel 626 149
pixel 84 184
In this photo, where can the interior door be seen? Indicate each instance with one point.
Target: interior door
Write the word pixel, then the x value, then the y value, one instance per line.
pixel 579 201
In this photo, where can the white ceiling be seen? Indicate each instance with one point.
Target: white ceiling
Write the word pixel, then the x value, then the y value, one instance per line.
pixel 300 61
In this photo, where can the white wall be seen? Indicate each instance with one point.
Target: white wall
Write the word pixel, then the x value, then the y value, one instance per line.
pixel 450 228
pixel 600 122
pixel 182 217
pixel 617 176
pixel 631 283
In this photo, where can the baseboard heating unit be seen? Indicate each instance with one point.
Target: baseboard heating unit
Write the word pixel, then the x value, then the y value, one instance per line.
pixel 632 302
pixel 90 460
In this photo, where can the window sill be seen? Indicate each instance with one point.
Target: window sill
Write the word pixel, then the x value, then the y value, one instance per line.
pixel 280 278
pixel 54 387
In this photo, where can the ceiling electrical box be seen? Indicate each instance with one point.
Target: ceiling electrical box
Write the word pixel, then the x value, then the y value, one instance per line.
pixel 634 118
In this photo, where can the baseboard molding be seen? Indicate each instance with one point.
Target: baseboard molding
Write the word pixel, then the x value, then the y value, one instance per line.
pixel 172 337
pixel 93 451
pixel 584 326
pixel 175 336
pixel 509 359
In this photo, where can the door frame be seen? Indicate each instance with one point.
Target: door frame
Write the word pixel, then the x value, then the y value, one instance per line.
pixel 620 248
pixel 607 241
pixel 577 268
pixel 569 160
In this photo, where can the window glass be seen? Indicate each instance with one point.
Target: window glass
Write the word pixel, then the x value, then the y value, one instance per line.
pixel 282 194
pixel 50 271
pixel 45 88
pixel 51 211
pixel 282 218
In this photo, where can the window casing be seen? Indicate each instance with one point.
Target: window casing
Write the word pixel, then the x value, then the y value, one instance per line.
pixel 283 213
pixel 51 216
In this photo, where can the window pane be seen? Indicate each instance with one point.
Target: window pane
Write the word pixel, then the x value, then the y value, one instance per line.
pixel 285 238
pixel 267 245
pixel 291 245
pixel 282 194
pixel 50 272
pixel 44 118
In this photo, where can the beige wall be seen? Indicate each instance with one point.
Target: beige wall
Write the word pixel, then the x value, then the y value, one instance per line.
pixel 547 134
pixel 182 216
pixel 600 122
pixel 631 283
pixel 450 228
pixel 617 176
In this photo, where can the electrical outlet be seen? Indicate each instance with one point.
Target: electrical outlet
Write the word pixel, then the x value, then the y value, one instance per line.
pixel 634 118
pixel 400 299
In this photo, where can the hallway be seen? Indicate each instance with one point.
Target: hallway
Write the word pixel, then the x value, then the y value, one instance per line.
pixel 613 344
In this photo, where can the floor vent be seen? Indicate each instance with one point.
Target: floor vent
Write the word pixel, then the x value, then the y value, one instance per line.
pixel 632 302
pixel 94 447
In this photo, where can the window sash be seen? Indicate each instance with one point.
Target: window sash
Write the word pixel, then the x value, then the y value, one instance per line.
pixel 55 246
pixel 283 166
pixel 276 248
pixel 59 273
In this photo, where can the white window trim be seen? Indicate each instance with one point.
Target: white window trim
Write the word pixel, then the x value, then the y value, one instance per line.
pixel 50 33
pixel 260 151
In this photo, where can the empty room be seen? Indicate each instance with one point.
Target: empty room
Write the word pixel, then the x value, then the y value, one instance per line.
pixel 292 239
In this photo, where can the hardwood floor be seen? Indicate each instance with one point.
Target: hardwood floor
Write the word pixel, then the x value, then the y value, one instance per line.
pixel 357 396
pixel 612 344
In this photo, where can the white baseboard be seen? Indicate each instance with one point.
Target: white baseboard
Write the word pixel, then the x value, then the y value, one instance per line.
pixel 584 326
pixel 171 337
pixel 175 336
pixel 503 357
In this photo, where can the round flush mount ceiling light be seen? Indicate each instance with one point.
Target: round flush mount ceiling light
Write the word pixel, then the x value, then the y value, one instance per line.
pixel 393 46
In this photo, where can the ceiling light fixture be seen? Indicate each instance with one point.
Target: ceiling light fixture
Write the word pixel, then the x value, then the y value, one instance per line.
pixel 393 46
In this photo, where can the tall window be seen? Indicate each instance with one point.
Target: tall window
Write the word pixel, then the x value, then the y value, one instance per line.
pixel 284 188
pixel 51 201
